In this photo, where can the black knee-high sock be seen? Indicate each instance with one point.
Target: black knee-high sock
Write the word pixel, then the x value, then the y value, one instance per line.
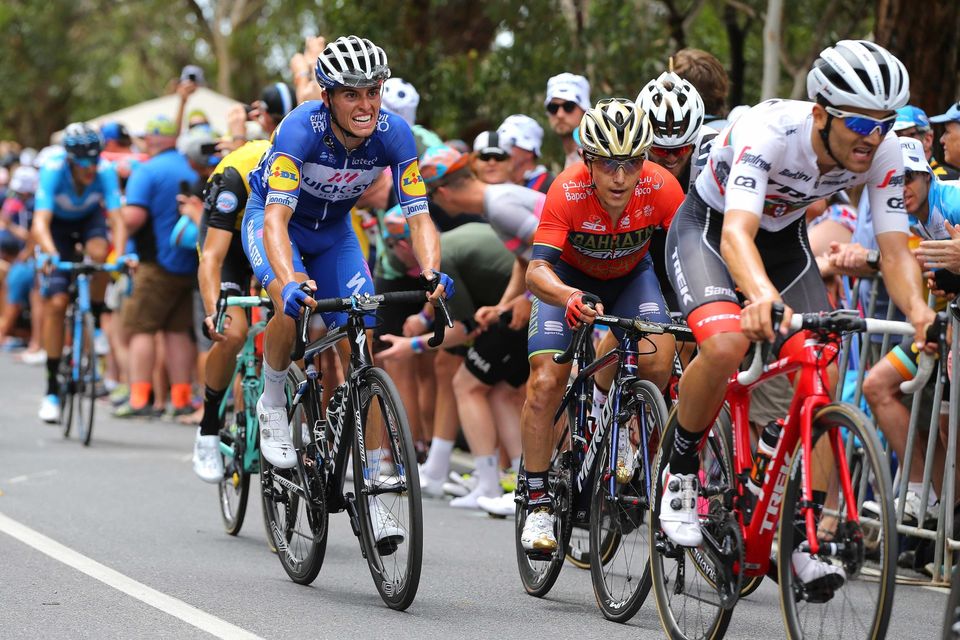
pixel 210 423
pixel 52 365
pixel 684 458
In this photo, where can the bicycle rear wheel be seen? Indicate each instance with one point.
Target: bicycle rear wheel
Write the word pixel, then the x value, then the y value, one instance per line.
pixel 234 487
pixel 684 579
pixel 65 392
pixel 87 391
pixel 861 606
pixel 619 541
pixel 298 529
pixel 388 495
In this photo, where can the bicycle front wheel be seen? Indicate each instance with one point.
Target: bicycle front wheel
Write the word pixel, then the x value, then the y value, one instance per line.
pixel 65 391
pixel 87 392
pixel 619 541
pixel 388 492
pixel 847 591
pixel 234 487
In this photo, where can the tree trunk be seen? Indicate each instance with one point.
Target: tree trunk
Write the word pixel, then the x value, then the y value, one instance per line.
pixel 924 36
pixel 770 85
pixel 737 37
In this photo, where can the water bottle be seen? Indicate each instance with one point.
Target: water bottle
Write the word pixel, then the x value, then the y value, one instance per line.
pixel 765 449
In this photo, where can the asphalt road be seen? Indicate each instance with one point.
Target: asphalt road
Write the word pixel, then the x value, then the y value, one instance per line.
pixel 139 551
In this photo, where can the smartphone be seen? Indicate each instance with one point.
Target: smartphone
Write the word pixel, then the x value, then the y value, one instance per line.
pixel 184 188
pixel 192 73
pixel 208 148
pixel 248 108
pixel 947 281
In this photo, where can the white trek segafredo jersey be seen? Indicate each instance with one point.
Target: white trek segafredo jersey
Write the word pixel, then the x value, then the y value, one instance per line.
pixel 764 162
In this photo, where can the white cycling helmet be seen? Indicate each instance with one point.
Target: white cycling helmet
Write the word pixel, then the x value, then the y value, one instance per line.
pixel 402 98
pixel 615 128
pixel 858 73
pixel 350 61
pixel 675 109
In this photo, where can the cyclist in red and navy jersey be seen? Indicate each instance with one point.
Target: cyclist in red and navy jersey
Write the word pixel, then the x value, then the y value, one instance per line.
pixel 592 242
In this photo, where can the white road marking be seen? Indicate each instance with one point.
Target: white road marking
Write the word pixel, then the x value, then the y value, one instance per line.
pixel 167 604
pixel 39 474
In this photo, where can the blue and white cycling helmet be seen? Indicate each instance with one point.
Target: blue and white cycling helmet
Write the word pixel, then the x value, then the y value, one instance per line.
pixel 81 142
pixel 353 62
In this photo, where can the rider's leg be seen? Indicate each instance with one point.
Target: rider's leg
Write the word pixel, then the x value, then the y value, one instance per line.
pixel 98 249
pixel 53 336
pixel 544 391
pixel 220 366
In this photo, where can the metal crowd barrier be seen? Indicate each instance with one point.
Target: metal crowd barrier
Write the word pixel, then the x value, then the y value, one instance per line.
pixel 942 536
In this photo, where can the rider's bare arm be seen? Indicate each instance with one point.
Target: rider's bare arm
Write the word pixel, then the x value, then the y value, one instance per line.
pixel 276 241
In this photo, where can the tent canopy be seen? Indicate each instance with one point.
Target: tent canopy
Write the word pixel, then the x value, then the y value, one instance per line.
pixel 135 117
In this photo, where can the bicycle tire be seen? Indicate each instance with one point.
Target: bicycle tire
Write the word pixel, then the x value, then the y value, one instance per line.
pixel 65 392
pixel 88 378
pixel 951 617
pixel 298 530
pixel 396 561
pixel 234 488
pixel 621 581
pixel 864 576
pixel 665 556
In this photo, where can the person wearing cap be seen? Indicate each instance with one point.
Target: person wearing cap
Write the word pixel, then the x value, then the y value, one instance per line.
pixel 402 98
pixel 568 98
pixel 524 135
pixel 74 192
pixel 118 149
pixel 16 255
pixel 162 298
pixel 913 122
pixel 951 137
pixel 492 162
pixel 935 204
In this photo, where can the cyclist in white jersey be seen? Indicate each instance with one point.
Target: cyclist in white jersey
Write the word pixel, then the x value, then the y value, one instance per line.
pixel 742 226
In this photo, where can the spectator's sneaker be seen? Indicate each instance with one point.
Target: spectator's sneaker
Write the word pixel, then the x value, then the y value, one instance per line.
pixel 430 487
pixel 910 509
pixel 275 442
pixel 626 457
pixel 538 535
pixel 34 357
pixel 119 395
pixel 49 409
pixel 207 463
pixel 460 484
pixel 468 501
pixel 508 481
pixel 820 578
pixel 126 410
pixel 101 346
pixel 678 508
pixel 13 343
pixel 386 531
pixel 502 507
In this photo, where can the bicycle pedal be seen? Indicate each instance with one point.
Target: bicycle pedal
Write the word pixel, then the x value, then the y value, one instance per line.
pixel 538 555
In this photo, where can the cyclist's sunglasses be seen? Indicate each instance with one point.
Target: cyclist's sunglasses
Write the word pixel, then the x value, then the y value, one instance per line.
pixel 85 163
pixel 663 152
pixel 567 106
pixel 611 165
pixel 863 125
pixel 486 156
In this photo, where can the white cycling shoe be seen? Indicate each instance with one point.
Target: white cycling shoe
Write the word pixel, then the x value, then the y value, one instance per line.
pixel 538 534
pixel 386 530
pixel 49 409
pixel 502 507
pixel 275 442
pixel 207 463
pixel 678 508
pixel 817 574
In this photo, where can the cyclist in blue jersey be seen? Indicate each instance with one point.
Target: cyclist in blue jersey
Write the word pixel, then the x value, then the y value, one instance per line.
pixel 297 227
pixel 74 192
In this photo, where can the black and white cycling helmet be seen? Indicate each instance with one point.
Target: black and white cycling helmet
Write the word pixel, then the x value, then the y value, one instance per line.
pixel 858 73
pixel 675 109
pixel 353 62
pixel 81 141
pixel 615 128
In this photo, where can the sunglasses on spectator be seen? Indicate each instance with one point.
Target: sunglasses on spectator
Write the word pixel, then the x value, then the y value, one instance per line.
pixel 909 176
pixel 567 106
pixel 487 156
pixel 913 132
pixel 663 152
pixel 863 125
pixel 611 165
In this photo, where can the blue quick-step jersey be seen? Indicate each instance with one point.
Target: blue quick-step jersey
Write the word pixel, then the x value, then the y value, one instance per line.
pixel 57 192
pixel 309 170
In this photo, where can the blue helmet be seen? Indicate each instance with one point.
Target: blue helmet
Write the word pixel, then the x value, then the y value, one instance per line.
pixel 354 62
pixel 81 142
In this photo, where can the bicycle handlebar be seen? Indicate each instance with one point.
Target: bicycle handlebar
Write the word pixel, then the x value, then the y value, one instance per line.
pixel 635 326
pixel 366 304
pixel 244 302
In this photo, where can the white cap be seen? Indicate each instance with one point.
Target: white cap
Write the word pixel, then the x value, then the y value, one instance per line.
pixel 569 86
pixel 401 97
pixel 914 157
pixel 491 142
pixel 25 179
pixel 522 131
pixel 28 156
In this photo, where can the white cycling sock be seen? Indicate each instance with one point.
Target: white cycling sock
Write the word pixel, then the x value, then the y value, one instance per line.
pixel 488 475
pixel 374 458
pixel 917 488
pixel 515 464
pixel 273 382
pixel 437 465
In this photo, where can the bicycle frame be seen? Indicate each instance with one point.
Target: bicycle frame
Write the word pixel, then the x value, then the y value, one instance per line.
pixel 810 396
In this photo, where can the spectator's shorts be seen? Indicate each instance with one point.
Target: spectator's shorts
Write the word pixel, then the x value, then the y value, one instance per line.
pixel 66 235
pixel 499 355
pixel 20 282
pixel 161 301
